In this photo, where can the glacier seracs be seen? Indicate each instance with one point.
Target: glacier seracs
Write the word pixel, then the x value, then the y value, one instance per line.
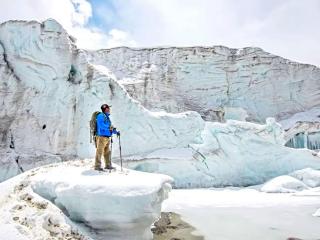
pixel 56 89
pixel 234 153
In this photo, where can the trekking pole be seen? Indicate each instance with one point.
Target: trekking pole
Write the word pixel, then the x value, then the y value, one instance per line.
pixel 110 155
pixel 120 153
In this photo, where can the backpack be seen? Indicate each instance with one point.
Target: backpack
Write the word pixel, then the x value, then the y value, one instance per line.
pixel 93 127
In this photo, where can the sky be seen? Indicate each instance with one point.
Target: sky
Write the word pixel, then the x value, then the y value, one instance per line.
pixel 289 28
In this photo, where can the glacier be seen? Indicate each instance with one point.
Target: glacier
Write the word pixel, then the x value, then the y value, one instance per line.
pixel 49 88
pixel 198 115
pixel 54 107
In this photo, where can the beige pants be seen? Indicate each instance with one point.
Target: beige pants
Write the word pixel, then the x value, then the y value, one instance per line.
pixel 102 148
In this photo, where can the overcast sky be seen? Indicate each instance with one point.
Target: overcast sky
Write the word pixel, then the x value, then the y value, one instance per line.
pixel 289 28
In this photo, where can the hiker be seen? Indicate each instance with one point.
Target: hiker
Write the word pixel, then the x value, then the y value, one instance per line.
pixel 104 131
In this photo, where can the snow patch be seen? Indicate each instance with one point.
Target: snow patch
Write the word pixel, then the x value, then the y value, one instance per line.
pixel 283 184
pixel 10 232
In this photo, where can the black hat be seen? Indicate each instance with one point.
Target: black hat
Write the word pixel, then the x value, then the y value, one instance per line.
pixel 104 107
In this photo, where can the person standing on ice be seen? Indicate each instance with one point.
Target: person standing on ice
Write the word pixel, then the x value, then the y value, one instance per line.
pixel 104 131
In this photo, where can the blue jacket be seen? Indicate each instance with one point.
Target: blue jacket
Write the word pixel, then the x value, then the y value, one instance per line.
pixel 103 125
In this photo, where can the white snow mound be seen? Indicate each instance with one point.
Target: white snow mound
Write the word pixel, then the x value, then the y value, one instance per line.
pixel 103 205
pixel 283 184
pixel 116 204
pixel 308 176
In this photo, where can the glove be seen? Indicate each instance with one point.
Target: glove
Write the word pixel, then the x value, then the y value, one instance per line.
pixel 118 133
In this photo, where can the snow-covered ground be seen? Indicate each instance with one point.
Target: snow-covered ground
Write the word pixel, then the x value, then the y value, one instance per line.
pixel 123 205
pixel 283 207
pixel 247 214
pixel 41 203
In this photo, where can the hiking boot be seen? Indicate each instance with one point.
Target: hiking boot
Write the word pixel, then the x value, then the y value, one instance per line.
pixel 98 169
pixel 109 167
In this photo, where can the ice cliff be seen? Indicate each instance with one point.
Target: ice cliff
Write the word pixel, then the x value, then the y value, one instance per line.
pixel 49 88
pixel 241 83
pixel 48 92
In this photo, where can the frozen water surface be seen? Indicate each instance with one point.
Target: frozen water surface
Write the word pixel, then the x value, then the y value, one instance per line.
pixel 242 213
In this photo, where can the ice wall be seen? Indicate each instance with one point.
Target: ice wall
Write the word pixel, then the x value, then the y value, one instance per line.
pixel 231 154
pixel 49 91
pixel 214 79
